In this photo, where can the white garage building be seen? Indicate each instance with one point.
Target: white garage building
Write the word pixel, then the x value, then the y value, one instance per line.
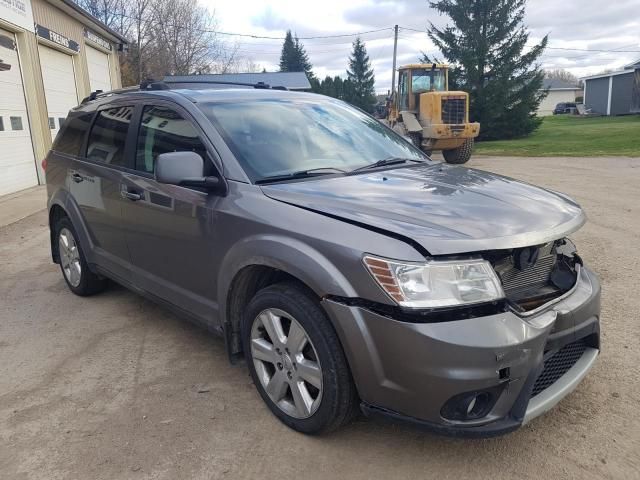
pixel 52 55
pixel 557 91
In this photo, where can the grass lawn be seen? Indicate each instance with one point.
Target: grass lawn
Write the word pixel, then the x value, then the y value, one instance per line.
pixel 573 136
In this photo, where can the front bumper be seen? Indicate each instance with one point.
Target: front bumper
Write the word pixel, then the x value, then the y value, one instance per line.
pixel 409 371
pixel 447 130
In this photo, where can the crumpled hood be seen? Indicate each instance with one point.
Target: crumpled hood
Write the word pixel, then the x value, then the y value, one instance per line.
pixel 446 209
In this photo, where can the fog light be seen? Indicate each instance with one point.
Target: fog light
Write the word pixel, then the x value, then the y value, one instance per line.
pixel 470 405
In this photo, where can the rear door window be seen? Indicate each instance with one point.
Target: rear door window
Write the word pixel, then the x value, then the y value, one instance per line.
pixel 164 130
pixel 108 136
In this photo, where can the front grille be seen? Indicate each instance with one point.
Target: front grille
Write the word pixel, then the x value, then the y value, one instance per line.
pixel 453 110
pixel 557 364
pixel 536 277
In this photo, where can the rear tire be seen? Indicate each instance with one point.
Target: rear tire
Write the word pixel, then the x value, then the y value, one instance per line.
pixel 290 344
pixel 73 264
pixel 459 155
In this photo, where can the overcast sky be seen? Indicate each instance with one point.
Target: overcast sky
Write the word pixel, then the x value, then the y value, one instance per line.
pixel 571 24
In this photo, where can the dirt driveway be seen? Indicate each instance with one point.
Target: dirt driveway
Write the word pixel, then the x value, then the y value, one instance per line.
pixel 115 387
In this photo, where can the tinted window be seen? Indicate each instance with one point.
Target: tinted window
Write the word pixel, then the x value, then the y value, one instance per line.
pixel 70 138
pixel 164 130
pixel 108 136
pixel 16 123
pixel 1 125
pixel 280 136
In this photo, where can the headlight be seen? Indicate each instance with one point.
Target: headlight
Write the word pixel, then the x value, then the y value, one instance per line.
pixel 436 284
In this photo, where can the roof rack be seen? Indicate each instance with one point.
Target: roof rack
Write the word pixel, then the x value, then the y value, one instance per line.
pixel 218 82
pixel 151 84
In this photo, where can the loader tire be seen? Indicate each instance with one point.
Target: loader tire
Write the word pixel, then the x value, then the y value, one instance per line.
pixel 459 155
pixel 416 139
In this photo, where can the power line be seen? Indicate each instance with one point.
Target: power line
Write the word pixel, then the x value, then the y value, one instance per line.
pixel 341 35
pixel 591 50
pixel 554 48
pixel 266 37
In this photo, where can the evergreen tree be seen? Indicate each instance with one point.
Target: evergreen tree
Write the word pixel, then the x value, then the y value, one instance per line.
pixel 294 58
pixel 328 88
pixel 338 87
pixel 304 65
pixel 360 77
pixel 288 54
pixel 486 43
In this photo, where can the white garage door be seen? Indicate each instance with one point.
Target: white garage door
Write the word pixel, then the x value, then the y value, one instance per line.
pixel 17 164
pixel 59 85
pixel 99 76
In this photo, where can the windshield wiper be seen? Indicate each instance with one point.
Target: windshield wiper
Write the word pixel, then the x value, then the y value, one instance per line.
pixel 312 172
pixel 384 162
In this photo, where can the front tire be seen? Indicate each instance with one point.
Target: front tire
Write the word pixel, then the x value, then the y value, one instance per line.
pixel 459 155
pixel 73 264
pixel 296 360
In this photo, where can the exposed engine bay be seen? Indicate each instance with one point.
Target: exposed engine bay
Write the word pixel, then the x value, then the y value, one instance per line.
pixel 533 276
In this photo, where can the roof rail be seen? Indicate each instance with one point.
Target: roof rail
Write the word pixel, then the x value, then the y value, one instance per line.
pixel 151 84
pixel 220 82
pixel 99 94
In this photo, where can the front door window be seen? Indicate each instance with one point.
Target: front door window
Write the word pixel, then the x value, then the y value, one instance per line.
pixel 163 130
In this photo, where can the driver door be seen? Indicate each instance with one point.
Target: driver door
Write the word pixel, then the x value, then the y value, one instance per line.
pixel 170 229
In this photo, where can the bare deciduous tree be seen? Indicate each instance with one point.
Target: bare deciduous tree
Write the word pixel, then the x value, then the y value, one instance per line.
pixel 186 33
pixel 561 74
pixel 167 37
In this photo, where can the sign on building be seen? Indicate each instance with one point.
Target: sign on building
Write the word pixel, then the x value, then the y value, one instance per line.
pixel 57 38
pixel 97 39
pixel 17 12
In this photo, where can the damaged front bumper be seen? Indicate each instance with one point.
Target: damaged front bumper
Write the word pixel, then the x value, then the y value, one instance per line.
pixel 504 369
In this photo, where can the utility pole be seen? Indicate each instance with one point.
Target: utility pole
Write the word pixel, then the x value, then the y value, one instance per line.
pixel 395 51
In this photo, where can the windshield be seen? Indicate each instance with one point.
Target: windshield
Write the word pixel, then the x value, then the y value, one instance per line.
pixel 281 136
pixel 425 80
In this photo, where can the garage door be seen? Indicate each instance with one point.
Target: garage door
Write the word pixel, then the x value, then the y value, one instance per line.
pixel 17 164
pixel 99 76
pixel 59 85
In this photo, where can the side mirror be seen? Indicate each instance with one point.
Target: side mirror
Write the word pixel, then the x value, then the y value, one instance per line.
pixel 185 169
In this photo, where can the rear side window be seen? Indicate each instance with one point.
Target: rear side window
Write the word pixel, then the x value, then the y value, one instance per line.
pixel 164 130
pixel 108 136
pixel 71 136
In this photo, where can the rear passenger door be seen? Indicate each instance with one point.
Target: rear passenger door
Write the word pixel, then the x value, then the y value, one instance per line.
pixel 95 180
pixel 170 229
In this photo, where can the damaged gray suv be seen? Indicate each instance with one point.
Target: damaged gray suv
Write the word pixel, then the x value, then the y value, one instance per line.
pixel 351 272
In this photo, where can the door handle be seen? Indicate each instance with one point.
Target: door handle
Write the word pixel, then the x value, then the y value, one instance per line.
pixel 76 177
pixel 134 197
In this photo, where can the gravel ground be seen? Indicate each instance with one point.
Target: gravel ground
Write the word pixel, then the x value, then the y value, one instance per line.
pixel 116 387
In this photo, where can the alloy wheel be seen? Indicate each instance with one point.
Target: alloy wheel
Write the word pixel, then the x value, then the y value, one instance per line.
pixel 69 257
pixel 286 363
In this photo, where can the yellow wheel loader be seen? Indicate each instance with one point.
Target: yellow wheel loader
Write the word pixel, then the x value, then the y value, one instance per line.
pixel 423 109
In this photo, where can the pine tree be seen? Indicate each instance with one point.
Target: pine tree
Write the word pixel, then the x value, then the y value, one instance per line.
pixel 288 54
pixel 360 77
pixel 304 65
pixel 486 43
pixel 294 58
pixel 327 87
pixel 338 87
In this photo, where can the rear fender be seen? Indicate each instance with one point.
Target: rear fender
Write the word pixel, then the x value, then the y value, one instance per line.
pixel 63 199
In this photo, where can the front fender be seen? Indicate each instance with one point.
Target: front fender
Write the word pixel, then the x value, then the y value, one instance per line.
pixel 288 255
